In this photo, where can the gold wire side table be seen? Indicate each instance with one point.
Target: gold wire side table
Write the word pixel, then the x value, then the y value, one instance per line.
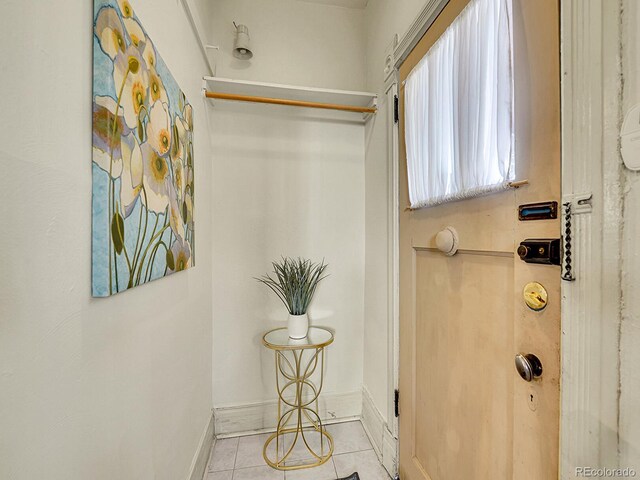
pixel 296 362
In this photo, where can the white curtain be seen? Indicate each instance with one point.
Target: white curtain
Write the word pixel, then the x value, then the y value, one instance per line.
pixel 459 109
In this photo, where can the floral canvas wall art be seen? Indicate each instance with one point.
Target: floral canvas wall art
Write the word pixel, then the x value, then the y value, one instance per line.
pixel 142 161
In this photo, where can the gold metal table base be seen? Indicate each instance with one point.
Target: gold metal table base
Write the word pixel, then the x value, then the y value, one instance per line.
pixel 298 418
pixel 318 458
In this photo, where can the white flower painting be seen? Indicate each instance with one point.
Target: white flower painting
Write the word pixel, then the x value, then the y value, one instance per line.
pixel 142 161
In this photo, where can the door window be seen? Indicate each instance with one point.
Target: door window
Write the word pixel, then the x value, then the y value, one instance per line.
pixel 459 109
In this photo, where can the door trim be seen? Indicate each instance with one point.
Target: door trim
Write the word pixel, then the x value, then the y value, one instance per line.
pixel 590 304
pixel 393 261
pixel 420 25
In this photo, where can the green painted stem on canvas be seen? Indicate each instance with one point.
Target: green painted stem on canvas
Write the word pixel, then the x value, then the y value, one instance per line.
pixel 152 259
pixel 112 193
pixel 137 253
pixel 112 209
pixel 141 256
pixel 138 249
pixel 144 255
pixel 135 250
pixel 124 247
pixel 170 240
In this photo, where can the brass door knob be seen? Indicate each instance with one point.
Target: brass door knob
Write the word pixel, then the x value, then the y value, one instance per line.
pixel 528 366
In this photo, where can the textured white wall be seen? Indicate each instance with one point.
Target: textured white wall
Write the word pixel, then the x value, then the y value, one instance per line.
pixel 629 433
pixel 116 388
pixel 383 19
pixel 286 181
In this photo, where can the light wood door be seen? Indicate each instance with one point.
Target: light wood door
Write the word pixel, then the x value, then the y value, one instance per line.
pixel 465 413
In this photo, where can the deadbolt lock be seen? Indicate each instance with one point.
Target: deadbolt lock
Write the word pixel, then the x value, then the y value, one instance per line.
pixel 535 296
pixel 528 366
pixel 544 250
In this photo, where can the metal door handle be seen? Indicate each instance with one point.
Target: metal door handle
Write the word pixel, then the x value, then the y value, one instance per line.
pixel 528 366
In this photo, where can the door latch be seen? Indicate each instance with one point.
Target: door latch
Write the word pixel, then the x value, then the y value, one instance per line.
pixel 540 250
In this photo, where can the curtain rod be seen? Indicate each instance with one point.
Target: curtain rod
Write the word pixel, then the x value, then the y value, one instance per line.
pixel 292 103
pixel 515 185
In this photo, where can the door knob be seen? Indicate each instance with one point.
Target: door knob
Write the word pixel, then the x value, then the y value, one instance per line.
pixel 447 241
pixel 528 366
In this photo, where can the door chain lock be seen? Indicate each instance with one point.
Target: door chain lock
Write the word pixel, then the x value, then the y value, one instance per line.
pixel 567 273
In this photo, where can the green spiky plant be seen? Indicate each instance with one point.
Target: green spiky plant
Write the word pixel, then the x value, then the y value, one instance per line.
pixel 295 281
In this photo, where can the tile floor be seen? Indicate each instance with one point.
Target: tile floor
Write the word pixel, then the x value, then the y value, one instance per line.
pixel 241 458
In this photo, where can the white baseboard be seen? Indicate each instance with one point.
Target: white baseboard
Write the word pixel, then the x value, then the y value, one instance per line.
pixel 261 417
pixel 384 443
pixel 390 452
pixel 201 457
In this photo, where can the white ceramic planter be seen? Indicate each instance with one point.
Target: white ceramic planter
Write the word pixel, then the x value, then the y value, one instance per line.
pixel 298 326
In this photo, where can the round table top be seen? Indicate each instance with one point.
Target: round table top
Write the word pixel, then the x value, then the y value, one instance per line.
pixel 278 339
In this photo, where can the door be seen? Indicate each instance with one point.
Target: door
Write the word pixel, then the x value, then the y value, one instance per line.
pixel 465 413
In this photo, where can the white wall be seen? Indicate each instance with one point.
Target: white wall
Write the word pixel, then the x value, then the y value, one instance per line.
pixel 629 433
pixel 116 388
pixel 294 42
pixel 286 181
pixel 204 13
pixel 383 19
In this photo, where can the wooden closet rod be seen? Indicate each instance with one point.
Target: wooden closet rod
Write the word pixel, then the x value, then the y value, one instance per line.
pixel 292 103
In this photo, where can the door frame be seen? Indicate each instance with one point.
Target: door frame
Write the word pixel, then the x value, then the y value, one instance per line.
pixel 589 416
pixel 393 227
pixel 590 184
pixel 393 59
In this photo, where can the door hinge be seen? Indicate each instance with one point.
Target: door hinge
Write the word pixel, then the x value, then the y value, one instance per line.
pixel 396 109
pixel 396 400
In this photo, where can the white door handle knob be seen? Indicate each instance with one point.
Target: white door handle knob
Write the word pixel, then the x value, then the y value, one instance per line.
pixel 447 241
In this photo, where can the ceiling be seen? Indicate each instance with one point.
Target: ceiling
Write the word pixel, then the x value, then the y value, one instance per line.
pixel 341 3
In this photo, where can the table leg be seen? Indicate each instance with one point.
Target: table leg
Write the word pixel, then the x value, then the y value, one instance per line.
pixel 297 377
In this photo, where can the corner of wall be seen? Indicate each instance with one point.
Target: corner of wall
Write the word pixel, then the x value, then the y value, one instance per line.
pixel 384 443
pixel 201 457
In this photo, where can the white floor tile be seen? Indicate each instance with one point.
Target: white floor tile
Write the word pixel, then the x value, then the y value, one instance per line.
pixel 223 456
pixel 228 475
pixel 250 451
pixel 365 463
pixel 349 437
pixel 300 450
pixel 241 458
pixel 326 471
pixel 258 473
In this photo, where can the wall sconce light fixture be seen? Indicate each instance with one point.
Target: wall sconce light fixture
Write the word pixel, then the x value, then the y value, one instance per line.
pixel 242 45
